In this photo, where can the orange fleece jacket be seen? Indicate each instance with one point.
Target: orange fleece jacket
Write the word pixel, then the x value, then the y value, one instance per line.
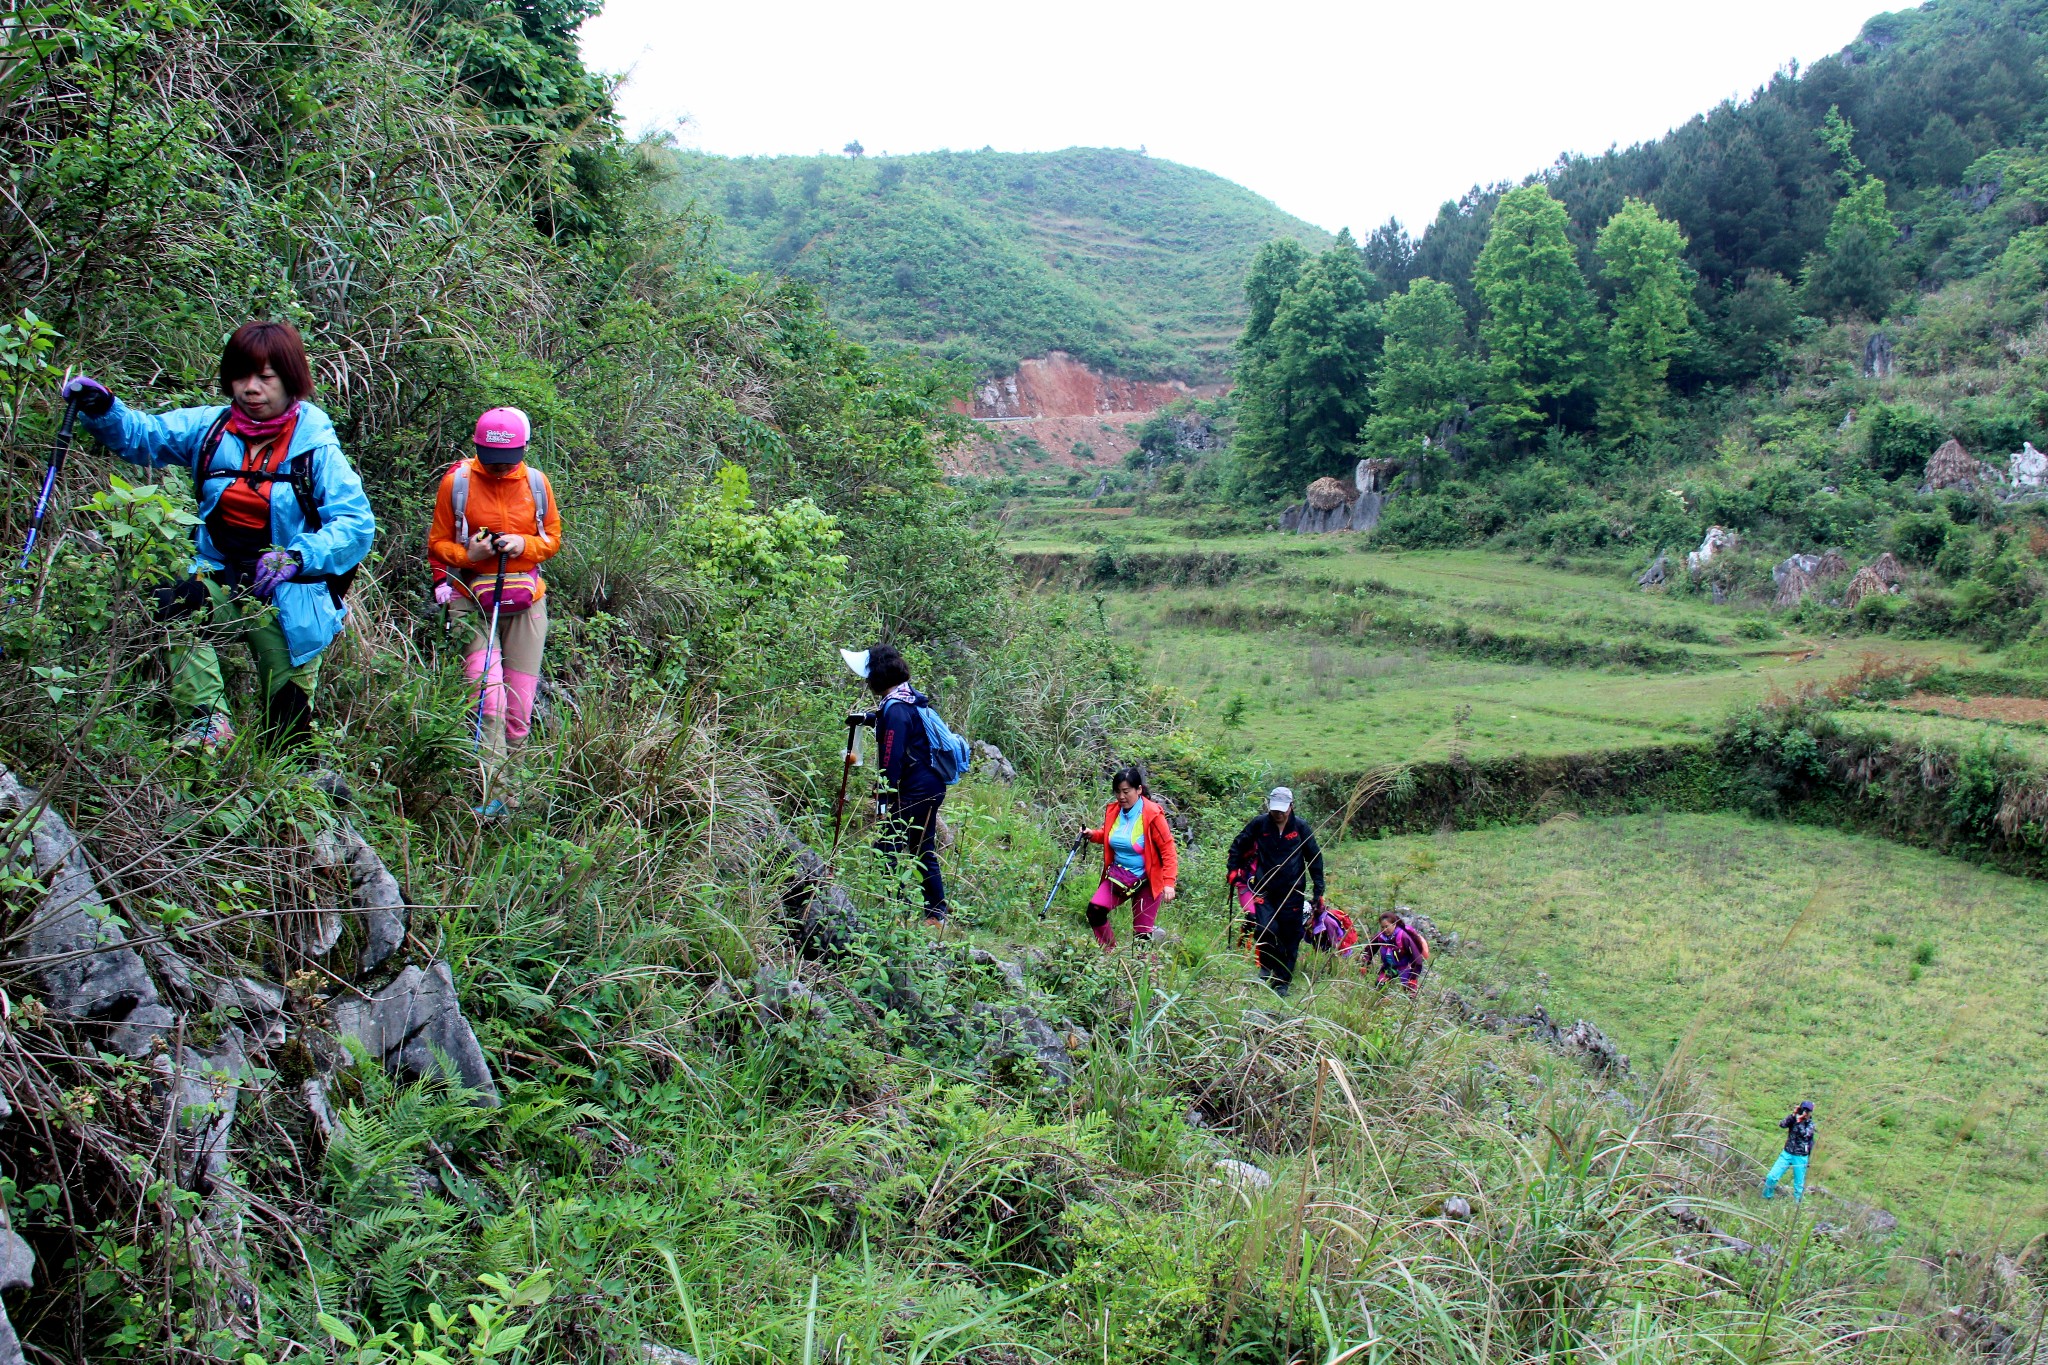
pixel 503 502
pixel 1162 860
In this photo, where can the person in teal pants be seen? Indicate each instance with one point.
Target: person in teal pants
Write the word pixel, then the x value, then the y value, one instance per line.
pixel 1798 1126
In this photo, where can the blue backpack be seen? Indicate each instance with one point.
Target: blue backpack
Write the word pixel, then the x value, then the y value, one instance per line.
pixel 951 758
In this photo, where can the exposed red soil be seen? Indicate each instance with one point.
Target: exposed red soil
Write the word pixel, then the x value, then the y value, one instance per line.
pixel 1060 404
pixel 2012 709
pixel 1057 385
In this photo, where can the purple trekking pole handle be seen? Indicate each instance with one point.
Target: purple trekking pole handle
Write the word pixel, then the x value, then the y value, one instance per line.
pixel 50 473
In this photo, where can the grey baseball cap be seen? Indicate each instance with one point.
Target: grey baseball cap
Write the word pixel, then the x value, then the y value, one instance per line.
pixel 1280 798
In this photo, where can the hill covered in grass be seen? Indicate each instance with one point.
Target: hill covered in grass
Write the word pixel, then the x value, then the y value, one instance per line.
pixel 1131 263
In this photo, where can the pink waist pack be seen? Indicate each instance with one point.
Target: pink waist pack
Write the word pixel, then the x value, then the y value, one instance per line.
pixel 522 590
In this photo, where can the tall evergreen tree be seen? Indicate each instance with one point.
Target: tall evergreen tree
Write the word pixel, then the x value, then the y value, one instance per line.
pixel 1643 256
pixel 1855 270
pixel 1427 377
pixel 1306 385
pixel 1537 317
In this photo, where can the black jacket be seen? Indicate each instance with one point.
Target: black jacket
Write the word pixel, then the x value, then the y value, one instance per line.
pixel 903 753
pixel 1279 863
pixel 1798 1135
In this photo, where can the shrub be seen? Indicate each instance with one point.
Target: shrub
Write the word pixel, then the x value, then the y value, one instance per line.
pixel 1901 437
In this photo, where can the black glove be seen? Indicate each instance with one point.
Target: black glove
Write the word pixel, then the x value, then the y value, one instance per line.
pixel 179 599
pixel 93 398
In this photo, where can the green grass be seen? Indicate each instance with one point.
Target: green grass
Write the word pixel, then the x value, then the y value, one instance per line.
pixel 1342 697
pixel 1901 991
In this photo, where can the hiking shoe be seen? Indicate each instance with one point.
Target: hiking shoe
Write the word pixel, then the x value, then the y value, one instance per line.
pixel 207 733
pixel 493 809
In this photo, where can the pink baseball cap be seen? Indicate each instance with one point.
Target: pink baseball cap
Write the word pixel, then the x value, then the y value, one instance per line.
pixel 501 436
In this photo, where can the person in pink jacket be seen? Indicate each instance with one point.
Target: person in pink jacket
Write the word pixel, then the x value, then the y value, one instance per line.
pixel 1139 861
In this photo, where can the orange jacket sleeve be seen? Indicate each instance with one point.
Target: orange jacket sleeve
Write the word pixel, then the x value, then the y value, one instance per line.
pixel 540 549
pixel 1159 835
pixel 1101 836
pixel 442 547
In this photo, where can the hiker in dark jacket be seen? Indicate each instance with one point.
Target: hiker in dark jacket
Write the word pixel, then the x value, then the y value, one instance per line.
pixel 1798 1126
pixel 912 789
pixel 1399 950
pixel 1273 865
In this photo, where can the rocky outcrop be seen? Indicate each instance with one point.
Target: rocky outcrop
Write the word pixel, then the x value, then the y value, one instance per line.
pixel 2027 468
pixel 1953 467
pixel 1657 574
pixel 1333 505
pixel 415 1029
pixel 1798 575
pixel 1719 541
pixel 990 761
pixel 1867 583
pixel 1877 356
pixel 17 1271
pixel 373 893
pixel 82 961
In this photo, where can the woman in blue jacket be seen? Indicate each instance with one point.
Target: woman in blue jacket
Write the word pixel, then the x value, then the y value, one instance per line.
pixel 283 525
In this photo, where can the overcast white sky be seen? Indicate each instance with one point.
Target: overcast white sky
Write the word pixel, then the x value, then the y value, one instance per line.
pixel 1343 114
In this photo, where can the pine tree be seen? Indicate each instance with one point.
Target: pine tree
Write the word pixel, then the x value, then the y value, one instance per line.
pixel 1537 317
pixel 1306 380
pixel 1643 256
pixel 1427 376
pixel 1854 271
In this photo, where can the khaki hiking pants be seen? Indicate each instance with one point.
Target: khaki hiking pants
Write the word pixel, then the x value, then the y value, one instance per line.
pixel 515 669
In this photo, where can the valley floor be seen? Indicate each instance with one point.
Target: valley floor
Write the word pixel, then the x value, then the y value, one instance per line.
pixel 1902 991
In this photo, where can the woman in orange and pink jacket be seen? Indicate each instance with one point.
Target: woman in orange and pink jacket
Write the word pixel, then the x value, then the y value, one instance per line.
pixel 1139 861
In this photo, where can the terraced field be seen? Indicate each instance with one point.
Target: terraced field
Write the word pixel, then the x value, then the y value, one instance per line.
pixel 1900 990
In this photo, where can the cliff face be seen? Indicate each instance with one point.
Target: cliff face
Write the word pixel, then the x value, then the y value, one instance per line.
pixel 1057 385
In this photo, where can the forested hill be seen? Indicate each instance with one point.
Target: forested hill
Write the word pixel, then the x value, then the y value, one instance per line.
pixel 1946 101
pixel 1132 263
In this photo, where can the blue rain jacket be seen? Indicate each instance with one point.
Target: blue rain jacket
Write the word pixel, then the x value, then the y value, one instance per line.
pixel 307 611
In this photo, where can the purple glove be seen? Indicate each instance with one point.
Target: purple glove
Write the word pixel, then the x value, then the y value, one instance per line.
pixel 277 567
pixel 94 399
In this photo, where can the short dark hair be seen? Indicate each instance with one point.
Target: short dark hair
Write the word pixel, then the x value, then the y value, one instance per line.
pixel 276 344
pixel 1131 776
pixel 886 669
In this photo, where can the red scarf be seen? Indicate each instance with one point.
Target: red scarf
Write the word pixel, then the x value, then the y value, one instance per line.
pixel 243 505
pixel 255 433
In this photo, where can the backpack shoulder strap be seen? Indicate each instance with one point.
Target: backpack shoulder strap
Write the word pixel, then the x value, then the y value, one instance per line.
pixel 207 446
pixel 538 483
pixel 458 500
pixel 306 489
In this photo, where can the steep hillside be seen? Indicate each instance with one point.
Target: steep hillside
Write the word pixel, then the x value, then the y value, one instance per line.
pixel 1130 263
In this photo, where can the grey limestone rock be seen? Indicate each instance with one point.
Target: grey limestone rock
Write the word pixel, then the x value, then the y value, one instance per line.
pixel 1243 1175
pixel 992 763
pixel 373 892
pixel 204 1088
pixel 1657 574
pixel 96 975
pixel 413 1024
pixel 1458 1207
pixel 1012 972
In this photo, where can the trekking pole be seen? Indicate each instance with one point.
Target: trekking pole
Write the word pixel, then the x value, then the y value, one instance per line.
pixel 490 647
pixel 50 472
pixel 1071 855
pixel 845 772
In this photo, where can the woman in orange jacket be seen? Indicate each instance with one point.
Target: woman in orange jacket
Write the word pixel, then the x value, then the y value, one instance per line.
pixel 491 505
pixel 1139 861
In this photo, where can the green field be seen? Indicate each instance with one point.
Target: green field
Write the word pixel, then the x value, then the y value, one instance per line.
pixel 1900 989
pixel 1784 962
pixel 1376 679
